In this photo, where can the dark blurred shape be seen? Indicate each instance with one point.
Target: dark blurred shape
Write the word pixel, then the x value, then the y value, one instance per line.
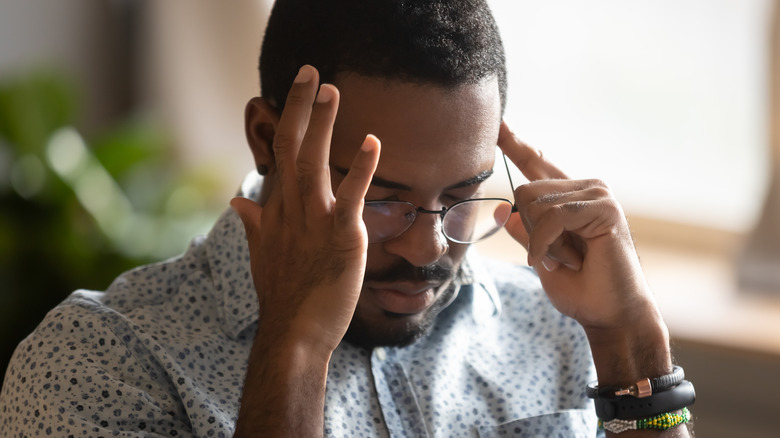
pixel 75 216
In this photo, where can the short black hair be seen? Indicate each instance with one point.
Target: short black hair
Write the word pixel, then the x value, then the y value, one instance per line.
pixel 441 42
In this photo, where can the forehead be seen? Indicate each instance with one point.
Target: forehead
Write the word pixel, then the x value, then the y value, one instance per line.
pixel 425 129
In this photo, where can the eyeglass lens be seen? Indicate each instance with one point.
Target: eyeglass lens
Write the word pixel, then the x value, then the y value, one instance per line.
pixel 464 222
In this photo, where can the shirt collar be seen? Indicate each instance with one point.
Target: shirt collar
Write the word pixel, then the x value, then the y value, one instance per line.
pixel 486 302
pixel 228 255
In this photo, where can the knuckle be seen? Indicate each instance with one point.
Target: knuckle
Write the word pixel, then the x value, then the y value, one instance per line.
pixel 596 182
pixel 549 198
pixel 524 194
pixel 307 167
pixel 285 140
pixel 558 211
pixel 612 208
pixel 575 206
pixel 296 98
pixel 599 192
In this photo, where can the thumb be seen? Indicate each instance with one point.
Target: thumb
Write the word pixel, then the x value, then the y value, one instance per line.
pixel 250 213
pixel 517 230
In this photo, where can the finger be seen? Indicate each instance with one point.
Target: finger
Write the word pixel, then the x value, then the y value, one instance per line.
pixel 585 219
pixel 529 160
pixel 550 264
pixel 312 164
pixel 564 251
pixel 569 194
pixel 556 255
pixel 250 213
pixel 352 190
pixel 534 199
pixel 291 130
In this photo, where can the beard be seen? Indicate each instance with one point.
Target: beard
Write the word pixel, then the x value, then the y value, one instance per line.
pixel 399 330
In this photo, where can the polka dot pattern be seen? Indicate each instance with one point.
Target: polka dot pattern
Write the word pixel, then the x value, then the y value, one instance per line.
pixel 163 352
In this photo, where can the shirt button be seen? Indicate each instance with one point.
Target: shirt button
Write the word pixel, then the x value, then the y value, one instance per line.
pixel 380 353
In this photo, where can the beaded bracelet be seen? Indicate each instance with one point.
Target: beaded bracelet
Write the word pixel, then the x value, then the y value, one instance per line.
pixel 659 422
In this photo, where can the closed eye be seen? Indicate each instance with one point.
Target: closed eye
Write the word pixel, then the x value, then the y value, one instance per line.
pixel 463 194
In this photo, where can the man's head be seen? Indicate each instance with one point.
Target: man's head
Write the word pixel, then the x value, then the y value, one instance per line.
pixel 442 42
pixel 428 79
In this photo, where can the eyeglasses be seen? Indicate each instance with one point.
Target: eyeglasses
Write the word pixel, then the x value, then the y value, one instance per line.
pixel 468 221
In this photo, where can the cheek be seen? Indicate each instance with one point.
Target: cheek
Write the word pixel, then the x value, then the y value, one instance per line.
pixel 376 258
pixel 457 252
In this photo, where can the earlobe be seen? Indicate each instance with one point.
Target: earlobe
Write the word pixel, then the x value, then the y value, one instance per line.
pixel 260 122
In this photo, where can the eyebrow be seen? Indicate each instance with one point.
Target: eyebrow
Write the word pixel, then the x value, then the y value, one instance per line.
pixel 387 184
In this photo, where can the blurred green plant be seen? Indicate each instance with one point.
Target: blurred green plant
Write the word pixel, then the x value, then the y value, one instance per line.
pixel 74 215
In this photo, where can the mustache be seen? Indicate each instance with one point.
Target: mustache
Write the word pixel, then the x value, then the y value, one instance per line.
pixel 405 271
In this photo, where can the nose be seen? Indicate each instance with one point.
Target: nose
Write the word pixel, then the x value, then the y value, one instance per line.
pixel 422 244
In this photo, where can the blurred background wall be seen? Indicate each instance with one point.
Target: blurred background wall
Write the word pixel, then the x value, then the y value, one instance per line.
pixel 121 137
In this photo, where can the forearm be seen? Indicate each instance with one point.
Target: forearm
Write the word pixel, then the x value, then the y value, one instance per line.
pixel 624 356
pixel 284 392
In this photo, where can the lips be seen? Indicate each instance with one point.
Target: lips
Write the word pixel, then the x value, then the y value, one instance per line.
pixel 404 298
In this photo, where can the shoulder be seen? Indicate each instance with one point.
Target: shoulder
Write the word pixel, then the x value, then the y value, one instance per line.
pixel 83 367
pixel 156 283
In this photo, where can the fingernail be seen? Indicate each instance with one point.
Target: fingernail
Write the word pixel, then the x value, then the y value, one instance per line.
pixel 549 264
pixel 368 143
pixel 305 74
pixel 325 94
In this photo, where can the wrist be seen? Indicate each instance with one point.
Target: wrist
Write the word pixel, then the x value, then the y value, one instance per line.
pixel 299 339
pixel 284 390
pixel 622 355
pixel 298 354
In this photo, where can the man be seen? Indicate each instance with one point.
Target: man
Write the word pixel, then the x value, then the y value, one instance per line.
pixel 341 298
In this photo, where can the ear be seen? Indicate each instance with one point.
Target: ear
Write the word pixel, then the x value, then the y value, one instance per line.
pixel 260 122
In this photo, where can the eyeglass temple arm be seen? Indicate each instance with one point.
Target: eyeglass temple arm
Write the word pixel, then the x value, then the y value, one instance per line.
pixel 508 173
pixel 511 184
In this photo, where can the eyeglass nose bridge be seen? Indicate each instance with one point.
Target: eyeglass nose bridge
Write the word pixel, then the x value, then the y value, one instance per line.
pixel 417 210
pixel 439 229
pixel 441 212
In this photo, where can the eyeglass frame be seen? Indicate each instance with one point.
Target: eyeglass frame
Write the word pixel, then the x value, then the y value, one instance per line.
pixel 444 210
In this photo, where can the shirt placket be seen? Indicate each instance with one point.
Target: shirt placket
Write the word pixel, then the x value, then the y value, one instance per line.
pixel 397 398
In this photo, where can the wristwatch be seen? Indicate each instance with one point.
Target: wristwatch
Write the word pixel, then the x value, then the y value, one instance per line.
pixel 646 398
pixel 642 388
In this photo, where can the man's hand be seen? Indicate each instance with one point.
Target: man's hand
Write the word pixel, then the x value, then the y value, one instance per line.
pixel 579 242
pixel 308 253
pixel 307 246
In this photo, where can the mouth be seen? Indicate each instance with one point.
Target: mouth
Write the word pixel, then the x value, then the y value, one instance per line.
pixel 404 298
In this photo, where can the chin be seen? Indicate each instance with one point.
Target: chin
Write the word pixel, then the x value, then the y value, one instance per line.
pixel 387 329
pixel 391 330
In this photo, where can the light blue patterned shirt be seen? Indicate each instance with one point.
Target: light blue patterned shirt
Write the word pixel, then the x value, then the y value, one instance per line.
pixel 164 352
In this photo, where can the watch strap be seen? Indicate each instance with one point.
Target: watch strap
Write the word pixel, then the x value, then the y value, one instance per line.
pixel 642 388
pixel 627 407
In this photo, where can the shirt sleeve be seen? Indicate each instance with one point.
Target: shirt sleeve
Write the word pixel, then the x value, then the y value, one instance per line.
pixel 79 375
